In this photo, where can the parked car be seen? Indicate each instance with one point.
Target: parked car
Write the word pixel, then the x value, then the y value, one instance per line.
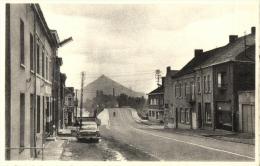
pixel 89 130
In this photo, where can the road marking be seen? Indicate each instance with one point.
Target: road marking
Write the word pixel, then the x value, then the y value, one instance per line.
pixel 198 145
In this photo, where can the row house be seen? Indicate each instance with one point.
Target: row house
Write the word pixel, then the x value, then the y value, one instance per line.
pixel 168 95
pixel 156 104
pixel 69 106
pixel 205 91
pixel 31 50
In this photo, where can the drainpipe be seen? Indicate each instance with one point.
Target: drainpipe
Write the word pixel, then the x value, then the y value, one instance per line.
pixel 202 102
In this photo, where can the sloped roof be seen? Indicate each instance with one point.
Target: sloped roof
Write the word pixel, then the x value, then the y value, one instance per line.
pixel 158 90
pixel 173 72
pixel 231 51
pixel 219 55
pixel 195 61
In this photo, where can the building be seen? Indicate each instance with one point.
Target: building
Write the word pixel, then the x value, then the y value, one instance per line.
pixel 246 100
pixel 156 104
pixel 31 48
pixel 168 95
pixel 69 106
pixel 206 88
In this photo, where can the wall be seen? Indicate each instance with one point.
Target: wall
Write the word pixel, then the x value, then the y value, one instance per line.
pixel 246 98
pixel 23 80
pixel 182 102
pixel 204 96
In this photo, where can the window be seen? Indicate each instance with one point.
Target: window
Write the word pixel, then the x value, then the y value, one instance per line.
pixel 166 105
pixel 157 115
pixel 47 68
pixel 21 42
pixel 43 64
pixel 176 90
pixel 205 84
pixel 153 114
pixel 208 81
pixel 150 113
pixel 220 80
pixel 207 113
pixel 185 89
pixel 187 115
pixel 22 120
pixel 179 115
pixel 199 85
pixel 180 90
pixel 38 114
pixel 192 90
pixel 31 53
pixel 38 58
pixel 182 115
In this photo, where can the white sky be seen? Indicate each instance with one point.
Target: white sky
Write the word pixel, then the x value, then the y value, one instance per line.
pixel 129 42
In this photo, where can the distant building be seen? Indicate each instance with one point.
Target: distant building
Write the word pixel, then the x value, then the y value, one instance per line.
pixel 156 104
pixel 31 49
pixel 69 106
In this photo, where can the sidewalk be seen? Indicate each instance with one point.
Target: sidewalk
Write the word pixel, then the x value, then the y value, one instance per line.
pixel 53 149
pixel 217 134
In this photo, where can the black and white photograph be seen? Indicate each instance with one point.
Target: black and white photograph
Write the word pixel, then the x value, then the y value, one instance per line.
pixel 140 81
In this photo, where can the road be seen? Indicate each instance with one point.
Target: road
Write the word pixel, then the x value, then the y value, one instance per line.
pixel 125 139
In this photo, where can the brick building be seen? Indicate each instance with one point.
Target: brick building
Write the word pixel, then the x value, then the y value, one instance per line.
pixel 206 88
pixel 31 48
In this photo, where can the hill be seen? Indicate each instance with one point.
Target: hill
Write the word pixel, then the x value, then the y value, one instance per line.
pixel 108 86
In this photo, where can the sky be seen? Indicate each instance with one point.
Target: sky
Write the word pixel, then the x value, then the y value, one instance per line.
pixel 128 42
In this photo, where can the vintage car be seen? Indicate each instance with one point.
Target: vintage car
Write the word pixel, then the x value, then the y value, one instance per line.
pixel 89 130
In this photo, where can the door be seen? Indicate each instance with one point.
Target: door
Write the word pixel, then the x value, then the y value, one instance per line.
pixel 248 118
pixel 199 116
pixel 32 144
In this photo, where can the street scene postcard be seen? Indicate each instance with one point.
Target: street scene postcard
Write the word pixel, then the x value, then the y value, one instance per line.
pixel 171 81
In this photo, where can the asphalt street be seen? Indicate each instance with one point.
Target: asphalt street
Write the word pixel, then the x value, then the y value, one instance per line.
pixel 170 146
pixel 124 138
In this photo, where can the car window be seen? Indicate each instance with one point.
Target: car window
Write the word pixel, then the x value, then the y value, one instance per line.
pixel 89 126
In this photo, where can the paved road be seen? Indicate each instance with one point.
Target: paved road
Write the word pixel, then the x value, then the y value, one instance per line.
pixel 169 146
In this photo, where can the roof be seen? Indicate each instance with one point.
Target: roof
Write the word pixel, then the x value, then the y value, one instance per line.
pixel 232 52
pixel 158 90
pixel 173 72
pixel 229 52
pixel 195 61
pixel 50 36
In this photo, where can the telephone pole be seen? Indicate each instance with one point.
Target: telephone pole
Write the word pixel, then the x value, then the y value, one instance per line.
pixel 158 76
pixel 81 97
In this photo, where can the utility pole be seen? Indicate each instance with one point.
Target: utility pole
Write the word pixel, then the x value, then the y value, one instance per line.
pixel 158 76
pixel 76 105
pixel 81 97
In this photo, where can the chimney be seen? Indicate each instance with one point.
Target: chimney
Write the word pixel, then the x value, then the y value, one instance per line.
pixel 198 52
pixel 232 38
pixel 253 30
pixel 163 79
pixel 168 69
